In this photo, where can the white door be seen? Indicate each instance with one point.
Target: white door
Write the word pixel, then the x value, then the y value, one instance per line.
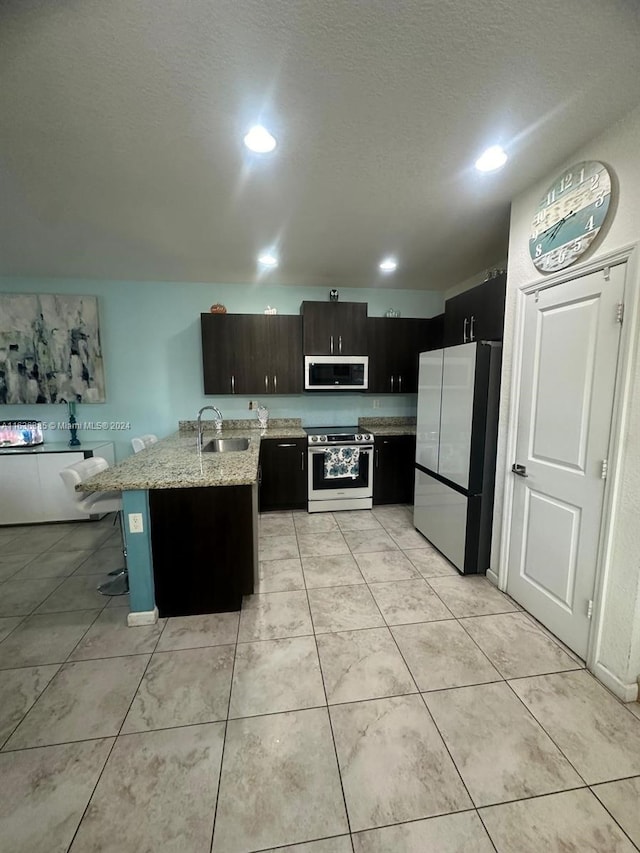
pixel 569 357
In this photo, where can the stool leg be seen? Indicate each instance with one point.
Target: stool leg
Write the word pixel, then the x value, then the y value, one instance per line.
pixel 119 584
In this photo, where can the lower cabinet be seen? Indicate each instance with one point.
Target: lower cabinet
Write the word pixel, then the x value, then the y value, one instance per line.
pixel 31 489
pixel 394 469
pixel 283 474
pixel 204 544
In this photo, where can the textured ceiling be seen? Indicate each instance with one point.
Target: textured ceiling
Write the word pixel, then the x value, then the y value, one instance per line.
pixel 121 126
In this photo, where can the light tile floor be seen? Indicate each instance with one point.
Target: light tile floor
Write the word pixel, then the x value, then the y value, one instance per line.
pixel 367 700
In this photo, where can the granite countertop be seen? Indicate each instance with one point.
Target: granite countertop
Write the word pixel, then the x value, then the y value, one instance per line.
pixel 388 426
pixel 175 463
pixel 392 430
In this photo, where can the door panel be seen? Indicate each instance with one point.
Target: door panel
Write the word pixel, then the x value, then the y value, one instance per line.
pixel 567 382
pixel 564 383
pixel 552 531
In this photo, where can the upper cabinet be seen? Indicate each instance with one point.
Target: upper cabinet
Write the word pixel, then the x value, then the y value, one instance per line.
pixel 251 353
pixel 394 346
pixel 334 328
pixel 476 314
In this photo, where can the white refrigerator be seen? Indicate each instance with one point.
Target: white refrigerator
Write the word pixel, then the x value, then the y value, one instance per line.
pixel 456 434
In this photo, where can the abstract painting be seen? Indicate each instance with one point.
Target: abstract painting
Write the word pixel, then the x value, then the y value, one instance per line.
pixel 50 349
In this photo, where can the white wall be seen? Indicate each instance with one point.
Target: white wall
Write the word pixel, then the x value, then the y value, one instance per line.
pixel 618 650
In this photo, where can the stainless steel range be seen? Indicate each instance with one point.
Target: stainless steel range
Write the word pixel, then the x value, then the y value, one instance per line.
pixel 340 469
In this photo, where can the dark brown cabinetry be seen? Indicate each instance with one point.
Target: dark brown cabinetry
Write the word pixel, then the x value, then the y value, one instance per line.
pixel 334 328
pixel 436 332
pixel 394 469
pixel 283 474
pixel 200 565
pixel 251 353
pixel 394 346
pixel 476 314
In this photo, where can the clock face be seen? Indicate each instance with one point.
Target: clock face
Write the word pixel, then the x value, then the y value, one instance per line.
pixel 570 216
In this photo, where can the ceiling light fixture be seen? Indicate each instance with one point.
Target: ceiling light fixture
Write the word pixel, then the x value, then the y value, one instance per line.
pixel 388 265
pixel 259 139
pixel 268 260
pixel 493 158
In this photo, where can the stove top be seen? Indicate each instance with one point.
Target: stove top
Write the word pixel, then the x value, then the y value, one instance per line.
pixel 338 435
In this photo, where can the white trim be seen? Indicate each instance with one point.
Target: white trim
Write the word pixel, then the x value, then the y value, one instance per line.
pixel 620 413
pixel 492 576
pixel 511 439
pixel 625 692
pixel 619 421
pixel 142 617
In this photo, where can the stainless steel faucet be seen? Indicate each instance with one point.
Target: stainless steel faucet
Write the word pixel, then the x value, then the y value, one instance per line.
pixel 218 422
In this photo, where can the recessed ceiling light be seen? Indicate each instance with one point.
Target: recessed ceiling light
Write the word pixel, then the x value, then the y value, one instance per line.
pixel 260 140
pixel 493 158
pixel 267 259
pixel 388 265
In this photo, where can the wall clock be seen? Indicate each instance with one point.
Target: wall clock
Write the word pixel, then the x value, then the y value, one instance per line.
pixel 570 216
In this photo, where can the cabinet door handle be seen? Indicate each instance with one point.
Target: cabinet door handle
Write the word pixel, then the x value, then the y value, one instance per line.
pixel 472 334
pixel 302 460
pixel 275 383
pixel 266 383
pixel 392 384
pixel 377 458
pixel 259 475
pixel 340 345
pixel 400 384
pixel 464 331
pixel 286 445
pixel 331 347
pixel 233 384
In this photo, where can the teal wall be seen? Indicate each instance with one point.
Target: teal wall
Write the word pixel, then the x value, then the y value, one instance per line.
pixel 150 333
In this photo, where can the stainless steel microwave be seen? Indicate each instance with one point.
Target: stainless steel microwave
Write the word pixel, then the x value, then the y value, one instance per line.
pixel 336 372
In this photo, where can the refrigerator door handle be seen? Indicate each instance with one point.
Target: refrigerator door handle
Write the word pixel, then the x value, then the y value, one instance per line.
pixel 464 331
pixel 520 470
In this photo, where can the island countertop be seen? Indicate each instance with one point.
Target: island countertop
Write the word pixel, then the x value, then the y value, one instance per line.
pixel 175 463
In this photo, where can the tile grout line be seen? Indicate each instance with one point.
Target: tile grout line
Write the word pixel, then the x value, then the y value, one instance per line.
pixel 611 815
pixel 444 743
pixel 324 688
pixel 115 738
pixel 538 723
pixel 226 728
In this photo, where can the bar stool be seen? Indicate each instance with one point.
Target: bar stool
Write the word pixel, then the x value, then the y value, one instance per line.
pixel 98 502
pixel 142 442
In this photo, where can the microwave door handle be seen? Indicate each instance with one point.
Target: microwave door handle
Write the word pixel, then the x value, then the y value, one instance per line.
pixel 331 346
pixel 340 344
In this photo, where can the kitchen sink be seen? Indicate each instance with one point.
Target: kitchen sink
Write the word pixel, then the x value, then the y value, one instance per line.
pixel 226 445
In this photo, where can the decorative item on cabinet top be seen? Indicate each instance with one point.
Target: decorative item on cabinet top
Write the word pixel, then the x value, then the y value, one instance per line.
pixel 219 308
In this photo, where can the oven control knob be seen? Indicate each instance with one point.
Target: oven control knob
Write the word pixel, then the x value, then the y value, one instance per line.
pixel 323 438
pixel 313 438
pixel 358 438
pixel 368 437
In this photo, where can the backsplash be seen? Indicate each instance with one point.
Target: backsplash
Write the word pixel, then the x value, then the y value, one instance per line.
pixel 241 423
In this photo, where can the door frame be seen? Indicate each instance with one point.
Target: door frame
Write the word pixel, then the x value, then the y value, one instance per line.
pixel 620 414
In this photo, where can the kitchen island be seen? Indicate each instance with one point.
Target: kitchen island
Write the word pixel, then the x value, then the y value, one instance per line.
pixel 195 548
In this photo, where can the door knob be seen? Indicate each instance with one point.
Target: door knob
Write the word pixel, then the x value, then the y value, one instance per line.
pixel 520 470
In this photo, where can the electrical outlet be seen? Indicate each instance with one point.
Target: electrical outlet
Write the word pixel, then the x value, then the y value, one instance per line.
pixel 135 522
pixel 253 404
pixel 376 404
